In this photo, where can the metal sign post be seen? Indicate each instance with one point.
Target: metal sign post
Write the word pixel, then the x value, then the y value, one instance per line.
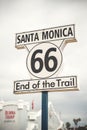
pixel 44 111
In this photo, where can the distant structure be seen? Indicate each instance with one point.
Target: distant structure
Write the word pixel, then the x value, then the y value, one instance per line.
pixel 57 117
pixel 16 115
pixel 54 121
pixel 13 115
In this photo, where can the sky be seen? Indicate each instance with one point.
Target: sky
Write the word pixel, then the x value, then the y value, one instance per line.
pixel 27 15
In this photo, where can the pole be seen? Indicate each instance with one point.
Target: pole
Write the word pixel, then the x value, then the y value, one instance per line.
pixel 44 111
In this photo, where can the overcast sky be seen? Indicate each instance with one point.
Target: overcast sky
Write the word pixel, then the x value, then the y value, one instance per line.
pixel 27 15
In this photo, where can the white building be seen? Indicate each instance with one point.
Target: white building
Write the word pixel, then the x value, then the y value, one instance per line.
pixel 17 115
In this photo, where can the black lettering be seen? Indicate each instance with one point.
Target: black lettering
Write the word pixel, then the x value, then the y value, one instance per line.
pixel 56 33
pixel 51 34
pixel 44 35
pixel 27 38
pixel 64 32
pixel 70 31
pixel 32 34
pixel 60 32
pixel 27 86
pixel 67 83
pixel 18 39
pixel 23 39
pixel 36 37
pixel 17 86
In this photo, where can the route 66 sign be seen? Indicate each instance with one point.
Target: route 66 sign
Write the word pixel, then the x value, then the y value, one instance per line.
pixel 45 57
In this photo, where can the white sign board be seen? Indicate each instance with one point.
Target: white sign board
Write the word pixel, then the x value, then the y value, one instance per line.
pixel 67 83
pixel 45 58
pixel 44 35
